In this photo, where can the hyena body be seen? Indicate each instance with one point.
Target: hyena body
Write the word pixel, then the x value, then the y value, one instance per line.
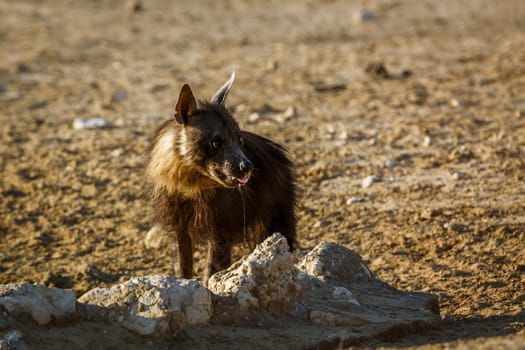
pixel 215 184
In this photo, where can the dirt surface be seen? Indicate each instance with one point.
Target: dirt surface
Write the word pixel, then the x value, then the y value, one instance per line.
pixel 427 96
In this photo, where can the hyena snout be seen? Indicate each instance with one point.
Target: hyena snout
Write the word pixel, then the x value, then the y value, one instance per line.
pixel 240 167
pixel 245 166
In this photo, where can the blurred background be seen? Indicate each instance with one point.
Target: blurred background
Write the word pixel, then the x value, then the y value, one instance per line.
pixel 406 120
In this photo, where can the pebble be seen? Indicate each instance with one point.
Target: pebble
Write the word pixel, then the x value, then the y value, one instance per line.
pixel 354 199
pixel 369 181
pixel 458 175
pixel 390 164
pixel 117 152
pixel 322 223
pixel 363 15
pixel 90 123
pixel 343 135
pixel 272 65
pixel 330 129
pixel 119 95
pixel 455 102
pixel 252 118
pixel 290 112
pixel 427 141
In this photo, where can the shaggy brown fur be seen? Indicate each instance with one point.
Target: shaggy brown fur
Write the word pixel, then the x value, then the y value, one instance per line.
pixel 215 184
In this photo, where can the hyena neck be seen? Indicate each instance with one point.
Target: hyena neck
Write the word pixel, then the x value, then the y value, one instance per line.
pixel 170 170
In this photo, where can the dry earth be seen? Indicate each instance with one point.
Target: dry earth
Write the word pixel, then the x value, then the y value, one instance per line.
pixel 428 97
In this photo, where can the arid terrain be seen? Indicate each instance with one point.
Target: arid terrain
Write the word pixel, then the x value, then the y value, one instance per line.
pixel 406 123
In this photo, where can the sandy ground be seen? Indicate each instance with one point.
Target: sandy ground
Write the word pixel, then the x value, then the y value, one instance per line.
pixel 428 97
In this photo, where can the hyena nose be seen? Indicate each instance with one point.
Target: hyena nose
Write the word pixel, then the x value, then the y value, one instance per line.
pixel 245 165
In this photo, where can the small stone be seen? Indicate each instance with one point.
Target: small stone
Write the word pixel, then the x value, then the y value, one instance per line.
pixel 330 129
pixel 343 135
pixel 363 15
pixel 253 117
pixel 427 141
pixel 390 164
pixel 156 237
pixel 333 262
pixel 290 112
pixel 91 123
pixel 455 103
pixel 117 152
pixel 458 175
pixel 369 181
pixel 119 95
pixel 354 199
pixel 272 65
pixel 322 223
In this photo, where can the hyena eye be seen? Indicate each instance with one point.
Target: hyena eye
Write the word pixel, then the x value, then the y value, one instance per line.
pixel 216 144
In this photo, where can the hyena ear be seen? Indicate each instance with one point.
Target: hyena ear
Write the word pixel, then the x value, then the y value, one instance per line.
pixel 220 95
pixel 186 105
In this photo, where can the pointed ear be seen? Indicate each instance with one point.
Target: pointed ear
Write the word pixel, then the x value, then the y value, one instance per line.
pixel 186 105
pixel 220 95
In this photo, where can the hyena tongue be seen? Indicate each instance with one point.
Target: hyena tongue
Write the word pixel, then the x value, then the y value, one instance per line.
pixel 244 179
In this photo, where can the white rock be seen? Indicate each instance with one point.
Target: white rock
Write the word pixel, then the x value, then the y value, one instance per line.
pixel 369 181
pixel 353 200
pixel 40 302
pixel 390 164
pixel 458 175
pixel 330 129
pixel 154 305
pixel 343 135
pixel 253 117
pixel 290 112
pixel 264 280
pixel 427 141
pixel 91 123
pixel 156 237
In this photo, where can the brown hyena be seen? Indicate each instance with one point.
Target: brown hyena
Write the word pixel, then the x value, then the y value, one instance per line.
pixel 215 184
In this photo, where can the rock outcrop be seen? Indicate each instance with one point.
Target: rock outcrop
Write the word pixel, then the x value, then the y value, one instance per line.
pixel 150 305
pixel 265 293
pixel 43 304
pixel 265 280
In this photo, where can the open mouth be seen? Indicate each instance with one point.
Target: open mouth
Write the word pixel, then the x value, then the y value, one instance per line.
pixel 243 180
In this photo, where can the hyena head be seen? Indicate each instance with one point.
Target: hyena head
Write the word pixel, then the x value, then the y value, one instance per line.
pixel 210 139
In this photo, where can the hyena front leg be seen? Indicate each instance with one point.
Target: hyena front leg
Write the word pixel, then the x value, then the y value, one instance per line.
pixel 219 258
pixel 184 255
